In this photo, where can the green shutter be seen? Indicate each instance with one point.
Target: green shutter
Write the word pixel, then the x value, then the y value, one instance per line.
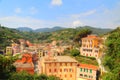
pixel 86 70
pixel 90 70
pixel 80 69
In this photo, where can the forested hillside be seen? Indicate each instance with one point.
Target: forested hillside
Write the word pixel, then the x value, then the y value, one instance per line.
pixel 112 57
pixel 66 35
pixel 6 35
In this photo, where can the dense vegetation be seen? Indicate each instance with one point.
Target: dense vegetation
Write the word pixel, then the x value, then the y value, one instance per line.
pixel 74 52
pixel 86 60
pixel 6 66
pixel 82 33
pixel 26 76
pixel 6 35
pixel 66 35
pixel 112 56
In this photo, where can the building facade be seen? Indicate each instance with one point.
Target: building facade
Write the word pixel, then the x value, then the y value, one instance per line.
pixel 59 66
pixel 86 72
pixel 90 46
pixel 9 50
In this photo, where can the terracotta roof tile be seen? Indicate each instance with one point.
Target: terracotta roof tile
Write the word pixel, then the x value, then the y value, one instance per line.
pixel 88 66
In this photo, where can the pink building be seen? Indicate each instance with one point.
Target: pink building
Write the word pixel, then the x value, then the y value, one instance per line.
pixel 86 72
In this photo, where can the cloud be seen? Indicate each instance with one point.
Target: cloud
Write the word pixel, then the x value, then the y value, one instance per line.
pixel 77 23
pixel 56 2
pixel 84 14
pixel 15 21
pixel 18 10
pixel 33 10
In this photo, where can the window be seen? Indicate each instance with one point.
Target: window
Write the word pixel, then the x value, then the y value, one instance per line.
pixel 70 64
pixel 86 70
pixel 60 70
pixel 81 75
pixel 70 75
pixel 55 70
pixel 90 70
pixel 95 55
pixel 65 64
pixel 49 70
pixel 85 75
pixel 90 76
pixel 50 64
pixel 60 75
pixel 60 64
pixel 65 70
pixel 54 64
pixel 65 75
pixel 70 70
pixel 80 69
pixel 96 51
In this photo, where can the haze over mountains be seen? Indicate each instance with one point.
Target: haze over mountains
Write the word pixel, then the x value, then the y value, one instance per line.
pixel 99 30
pixel 40 29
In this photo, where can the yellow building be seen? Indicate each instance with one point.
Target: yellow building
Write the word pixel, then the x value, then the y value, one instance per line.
pixel 9 50
pixel 90 46
pixel 59 66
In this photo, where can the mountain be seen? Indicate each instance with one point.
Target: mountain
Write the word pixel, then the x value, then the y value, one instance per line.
pixel 94 30
pixel 44 35
pixel 59 33
pixel 24 29
pixel 49 29
pixel 40 29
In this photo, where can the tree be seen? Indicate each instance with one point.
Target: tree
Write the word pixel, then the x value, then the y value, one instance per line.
pixel 75 52
pixel 21 76
pixel 82 33
pixel 6 66
pixel 53 78
pixel 42 77
pixel 112 56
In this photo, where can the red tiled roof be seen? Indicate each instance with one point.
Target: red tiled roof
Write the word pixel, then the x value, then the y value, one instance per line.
pixel 91 37
pixel 25 58
pixel 88 66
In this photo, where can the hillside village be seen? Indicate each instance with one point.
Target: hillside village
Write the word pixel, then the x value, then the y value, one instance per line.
pixel 49 59
pixel 63 61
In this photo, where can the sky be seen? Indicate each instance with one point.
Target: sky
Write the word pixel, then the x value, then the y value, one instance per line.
pixel 65 13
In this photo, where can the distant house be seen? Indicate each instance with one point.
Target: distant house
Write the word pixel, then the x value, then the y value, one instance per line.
pixel 9 50
pixel 86 72
pixel 25 64
pixel 59 66
pixel 15 48
pixel 91 46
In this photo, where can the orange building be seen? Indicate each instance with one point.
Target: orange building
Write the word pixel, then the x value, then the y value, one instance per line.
pixel 25 64
pixel 86 72
pixel 60 66
pixel 90 46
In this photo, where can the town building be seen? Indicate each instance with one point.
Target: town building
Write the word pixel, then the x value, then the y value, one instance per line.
pixel 59 66
pixel 91 46
pixel 15 48
pixel 87 72
pixel 25 64
pixel 9 50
